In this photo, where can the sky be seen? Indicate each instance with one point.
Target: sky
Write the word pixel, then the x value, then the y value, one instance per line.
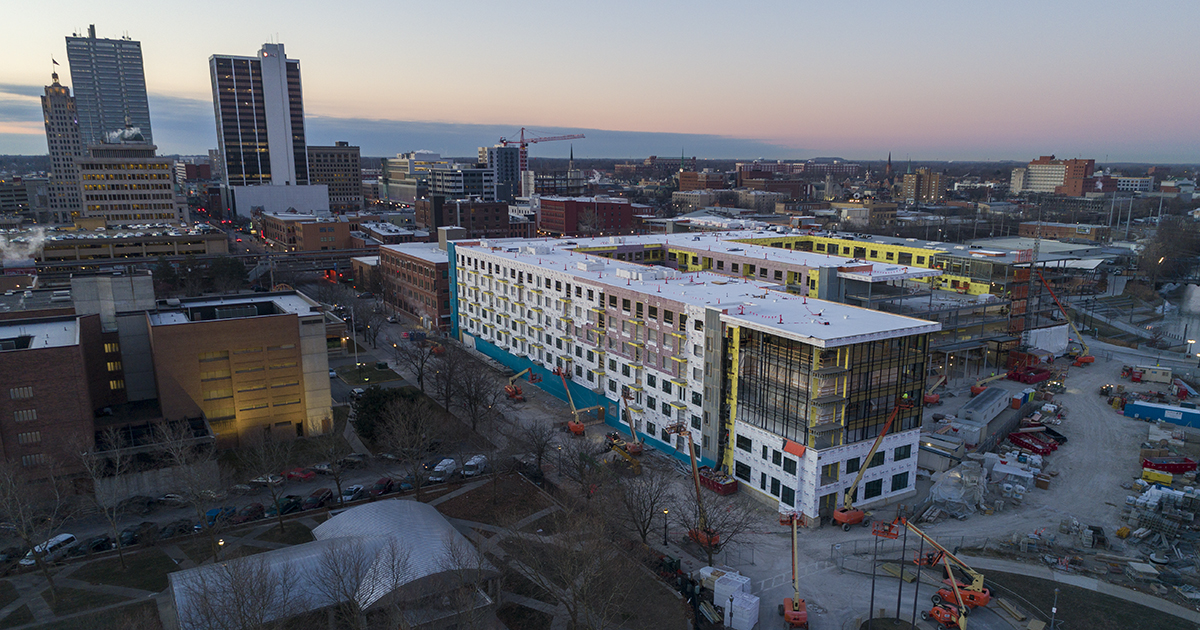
pixel 789 79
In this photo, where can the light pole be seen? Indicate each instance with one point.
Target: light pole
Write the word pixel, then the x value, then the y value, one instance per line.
pixel 665 539
pixel 1054 610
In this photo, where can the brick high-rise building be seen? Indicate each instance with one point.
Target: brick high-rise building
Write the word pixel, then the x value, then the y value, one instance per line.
pixel 480 219
pixel 65 143
pixel 340 168
pixel 924 186
pixel 702 180
pixel 1050 175
pixel 570 216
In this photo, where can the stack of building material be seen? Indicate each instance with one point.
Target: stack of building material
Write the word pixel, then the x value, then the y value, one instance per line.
pixel 710 575
pixel 727 585
pixel 742 612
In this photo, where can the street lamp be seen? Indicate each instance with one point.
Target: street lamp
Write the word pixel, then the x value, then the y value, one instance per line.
pixel 665 539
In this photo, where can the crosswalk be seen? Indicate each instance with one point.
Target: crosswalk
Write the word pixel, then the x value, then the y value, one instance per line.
pixel 786 578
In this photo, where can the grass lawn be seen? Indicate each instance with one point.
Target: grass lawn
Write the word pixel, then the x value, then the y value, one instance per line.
pixel 517 499
pixel 143 615
pixel 8 593
pixel 73 600
pixel 146 570
pixel 199 550
pixel 366 375
pixel 294 533
pixel 18 617
pixel 515 616
pixel 340 415
pixel 1089 609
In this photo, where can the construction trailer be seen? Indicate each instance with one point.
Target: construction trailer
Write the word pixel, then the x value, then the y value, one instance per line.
pixel 1149 411
pixel 985 406
pixel 1155 374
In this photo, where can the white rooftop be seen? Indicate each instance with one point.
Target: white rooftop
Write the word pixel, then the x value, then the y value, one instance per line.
pixel 428 252
pixel 43 334
pixel 293 303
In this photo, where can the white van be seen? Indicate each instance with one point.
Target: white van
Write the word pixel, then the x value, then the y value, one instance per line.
pixel 51 550
pixel 477 465
pixel 445 470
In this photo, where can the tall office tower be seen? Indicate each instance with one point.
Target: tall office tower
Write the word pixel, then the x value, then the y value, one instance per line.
pixel 110 86
pixel 260 118
pixel 506 161
pixel 65 144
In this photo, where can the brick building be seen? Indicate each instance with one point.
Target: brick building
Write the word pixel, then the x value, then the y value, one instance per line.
pixel 703 180
pixel 339 167
pixel 304 232
pixel 570 216
pixel 481 219
pixel 416 281
pixel 1057 231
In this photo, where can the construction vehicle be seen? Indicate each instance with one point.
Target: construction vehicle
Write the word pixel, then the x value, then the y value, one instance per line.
pixel 523 144
pixel 703 535
pixel 636 446
pixel 1081 355
pixel 957 598
pixel 847 515
pixel 574 425
pixel 514 392
pixel 931 399
pixel 981 384
pixel 619 447
pixel 794 610
pixel 533 377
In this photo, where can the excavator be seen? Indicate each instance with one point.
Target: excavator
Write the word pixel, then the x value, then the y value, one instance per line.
pixel 703 535
pixel 1082 356
pixel 794 610
pixel 574 425
pixel 848 515
pixel 953 602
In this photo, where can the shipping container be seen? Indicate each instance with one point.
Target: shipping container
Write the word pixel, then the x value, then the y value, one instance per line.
pixel 1167 413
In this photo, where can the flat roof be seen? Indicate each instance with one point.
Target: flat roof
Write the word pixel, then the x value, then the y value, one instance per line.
pixel 40 334
pixel 429 252
pixel 745 302
pixel 290 302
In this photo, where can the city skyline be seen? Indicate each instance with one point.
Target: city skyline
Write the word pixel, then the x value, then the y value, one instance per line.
pixel 937 81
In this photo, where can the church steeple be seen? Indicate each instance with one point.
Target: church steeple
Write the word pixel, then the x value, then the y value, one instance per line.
pixel 887 172
pixel 571 162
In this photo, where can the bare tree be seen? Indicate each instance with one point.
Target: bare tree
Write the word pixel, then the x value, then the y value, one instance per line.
pixel 244 594
pixel 197 475
pixel 639 502
pixel 578 461
pixel 713 521
pixel 109 459
pixel 587 576
pixel 480 394
pixel 34 500
pixel 469 572
pixel 268 457
pixel 333 448
pixel 415 357
pixel 446 366
pixel 393 565
pixel 412 427
pixel 341 572
pixel 538 437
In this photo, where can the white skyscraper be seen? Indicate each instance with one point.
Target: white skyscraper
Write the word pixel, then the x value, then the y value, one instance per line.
pixel 110 86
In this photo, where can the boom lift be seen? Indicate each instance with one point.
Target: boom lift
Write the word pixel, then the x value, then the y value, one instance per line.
pixel 793 609
pixel 1082 356
pixel 931 398
pixel 847 515
pixel 981 384
pixel 967 595
pixel 515 393
pixel 703 535
pixel 574 425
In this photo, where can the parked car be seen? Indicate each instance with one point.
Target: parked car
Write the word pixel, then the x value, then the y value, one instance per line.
pixel 286 505
pixel 324 468
pixel 267 480
pixel 392 319
pixel 96 544
pixel 353 460
pixel 216 515
pixel 213 495
pixel 332 373
pixel 240 489
pixel 146 533
pixel 477 465
pixel 448 469
pixel 432 463
pixel 172 500
pixel 382 487
pixel 353 493
pixel 365 294
pixel 251 512
pixel 357 393
pixel 318 499
pixel 51 551
pixel 300 474
pixel 404 484
pixel 176 528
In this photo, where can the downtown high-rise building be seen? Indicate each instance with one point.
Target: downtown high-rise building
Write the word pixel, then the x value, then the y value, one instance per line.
pixel 65 144
pixel 260 118
pixel 110 86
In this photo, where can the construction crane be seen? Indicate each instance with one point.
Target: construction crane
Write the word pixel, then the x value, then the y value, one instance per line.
pixel 523 143
pixel 953 603
pixel 793 609
pixel 703 535
pixel 1083 356
pixel 574 425
pixel 847 515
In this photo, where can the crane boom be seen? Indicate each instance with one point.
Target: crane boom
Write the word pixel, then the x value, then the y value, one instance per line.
pixel 902 404
pixel 702 535
pixel 1083 345
pixel 523 143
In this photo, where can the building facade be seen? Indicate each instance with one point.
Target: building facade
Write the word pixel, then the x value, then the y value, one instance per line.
pixel 923 186
pixel 702 180
pixel 480 219
pixel 506 162
pixel 259 109
pixel 110 86
pixel 783 391
pixel 570 216
pixel 65 143
pixel 340 168
pixel 126 183
pixel 463 181
pixel 1050 175
pixel 416 281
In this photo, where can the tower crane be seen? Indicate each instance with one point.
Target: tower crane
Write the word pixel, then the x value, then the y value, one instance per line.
pixel 523 143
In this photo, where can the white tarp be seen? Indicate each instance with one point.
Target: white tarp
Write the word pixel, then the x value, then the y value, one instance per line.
pixel 1053 339
pixel 960 488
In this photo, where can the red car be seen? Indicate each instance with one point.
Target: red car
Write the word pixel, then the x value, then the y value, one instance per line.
pixel 251 512
pixel 318 499
pixel 299 474
pixel 383 486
